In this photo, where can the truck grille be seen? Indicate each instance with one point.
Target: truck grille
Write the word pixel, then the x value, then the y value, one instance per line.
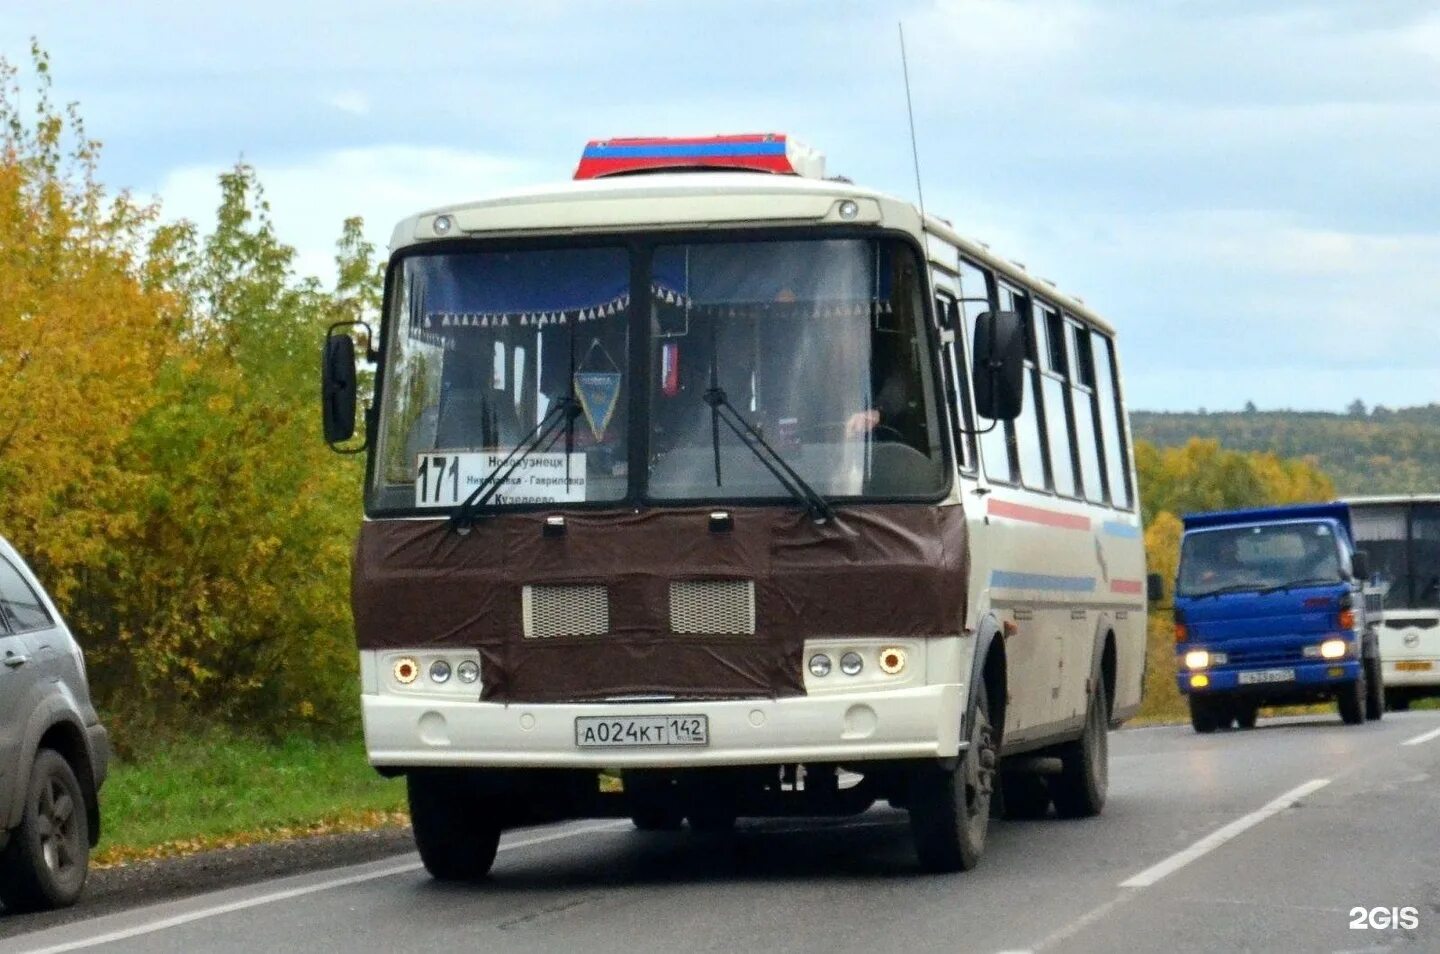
pixel 712 607
pixel 573 610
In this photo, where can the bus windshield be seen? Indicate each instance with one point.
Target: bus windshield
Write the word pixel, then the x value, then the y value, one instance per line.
pixel 1403 543
pixel 1236 559
pixel 819 345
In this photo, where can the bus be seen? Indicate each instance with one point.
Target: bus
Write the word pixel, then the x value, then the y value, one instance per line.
pixel 1402 536
pixel 706 486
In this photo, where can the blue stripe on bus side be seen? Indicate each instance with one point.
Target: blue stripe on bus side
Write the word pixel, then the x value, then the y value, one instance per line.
pixel 1011 580
pixel 1114 528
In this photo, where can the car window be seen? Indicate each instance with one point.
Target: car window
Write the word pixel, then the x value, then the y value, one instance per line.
pixel 20 602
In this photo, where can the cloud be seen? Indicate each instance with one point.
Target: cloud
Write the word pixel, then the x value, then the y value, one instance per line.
pixel 310 198
pixel 350 101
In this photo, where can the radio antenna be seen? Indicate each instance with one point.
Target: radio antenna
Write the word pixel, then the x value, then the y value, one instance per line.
pixel 910 110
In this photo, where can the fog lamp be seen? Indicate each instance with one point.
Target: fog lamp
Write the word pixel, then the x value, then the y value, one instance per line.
pixel 1333 649
pixel 468 671
pixel 851 664
pixel 1199 681
pixel 819 665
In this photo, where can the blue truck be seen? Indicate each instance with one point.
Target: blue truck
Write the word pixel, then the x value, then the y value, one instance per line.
pixel 1270 609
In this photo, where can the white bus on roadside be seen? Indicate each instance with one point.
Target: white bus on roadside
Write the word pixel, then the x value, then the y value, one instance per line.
pixel 1401 534
pixel 748 486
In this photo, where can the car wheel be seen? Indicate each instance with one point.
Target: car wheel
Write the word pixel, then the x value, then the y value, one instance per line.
pixel 950 809
pixel 48 857
pixel 1203 717
pixel 1024 796
pixel 1245 715
pixel 1374 689
pixel 456 834
pixel 1079 790
pixel 1351 701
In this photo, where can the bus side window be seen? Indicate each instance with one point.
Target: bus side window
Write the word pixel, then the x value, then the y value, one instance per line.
pixel 1112 420
pixel 976 288
pixel 956 373
pixel 1082 395
pixel 1055 394
pixel 1025 430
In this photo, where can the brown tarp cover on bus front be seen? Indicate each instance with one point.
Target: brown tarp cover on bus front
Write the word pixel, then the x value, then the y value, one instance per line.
pixel 876 570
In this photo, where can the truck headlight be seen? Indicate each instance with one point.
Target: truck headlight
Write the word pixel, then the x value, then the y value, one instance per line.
pixel 1333 649
pixel 1197 659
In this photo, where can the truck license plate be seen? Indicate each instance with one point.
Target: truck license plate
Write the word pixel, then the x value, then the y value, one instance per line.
pixel 1258 676
pixel 602 732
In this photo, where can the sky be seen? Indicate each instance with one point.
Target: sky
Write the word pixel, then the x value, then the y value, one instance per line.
pixel 1246 189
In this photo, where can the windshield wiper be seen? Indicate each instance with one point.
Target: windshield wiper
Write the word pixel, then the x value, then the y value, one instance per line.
pixel 815 505
pixel 563 414
pixel 1308 581
pixel 1231 588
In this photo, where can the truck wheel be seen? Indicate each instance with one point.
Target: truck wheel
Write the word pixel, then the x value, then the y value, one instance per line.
pixel 1351 701
pixel 1246 713
pixel 456 833
pixel 950 810
pixel 1024 796
pixel 1079 790
pixel 1374 689
pixel 45 864
pixel 1203 717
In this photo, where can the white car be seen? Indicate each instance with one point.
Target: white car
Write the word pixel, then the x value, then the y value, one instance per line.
pixel 53 750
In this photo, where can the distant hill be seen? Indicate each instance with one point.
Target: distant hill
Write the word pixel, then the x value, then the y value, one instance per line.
pixel 1379 451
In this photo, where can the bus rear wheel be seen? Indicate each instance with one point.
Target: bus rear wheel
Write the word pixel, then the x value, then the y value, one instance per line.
pixel 950 809
pixel 456 833
pixel 1080 788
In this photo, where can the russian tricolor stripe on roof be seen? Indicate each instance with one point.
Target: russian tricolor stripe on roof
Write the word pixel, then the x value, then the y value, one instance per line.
pixel 758 152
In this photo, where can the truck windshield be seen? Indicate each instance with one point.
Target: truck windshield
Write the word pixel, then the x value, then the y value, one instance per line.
pixel 1403 543
pixel 1231 559
pixel 818 345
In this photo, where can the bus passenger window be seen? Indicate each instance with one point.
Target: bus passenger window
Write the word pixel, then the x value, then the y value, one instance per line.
pixel 1025 429
pixel 1112 420
pixel 1082 396
pixel 1053 387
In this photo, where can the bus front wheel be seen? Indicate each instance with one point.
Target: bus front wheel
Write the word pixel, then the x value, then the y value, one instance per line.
pixel 950 810
pixel 456 835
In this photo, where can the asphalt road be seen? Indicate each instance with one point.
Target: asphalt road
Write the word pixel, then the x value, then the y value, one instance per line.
pixel 1263 840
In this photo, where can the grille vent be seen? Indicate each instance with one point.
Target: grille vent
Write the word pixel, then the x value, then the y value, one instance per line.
pixel 712 607
pixel 566 611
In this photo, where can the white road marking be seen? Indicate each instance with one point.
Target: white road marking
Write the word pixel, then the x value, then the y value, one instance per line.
pixel 1423 737
pixel 1221 835
pixel 188 917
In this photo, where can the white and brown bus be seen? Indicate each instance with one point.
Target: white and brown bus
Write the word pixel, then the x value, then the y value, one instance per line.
pixel 748 486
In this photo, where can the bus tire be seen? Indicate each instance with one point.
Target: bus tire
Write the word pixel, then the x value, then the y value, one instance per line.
pixel 1374 689
pixel 1024 796
pixel 456 834
pixel 1203 716
pixel 1351 701
pixel 1080 788
pixel 1246 714
pixel 950 809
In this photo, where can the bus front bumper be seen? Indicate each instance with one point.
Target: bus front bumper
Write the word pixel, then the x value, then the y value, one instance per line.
pixel 914 723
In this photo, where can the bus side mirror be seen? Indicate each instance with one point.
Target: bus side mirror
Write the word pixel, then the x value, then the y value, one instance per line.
pixel 1154 588
pixel 999 365
pixel 337 388
pixel 1360 565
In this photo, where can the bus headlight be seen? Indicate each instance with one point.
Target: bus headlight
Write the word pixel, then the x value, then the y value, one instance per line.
pixel 468 671
pixel 851 664
pixel 819 665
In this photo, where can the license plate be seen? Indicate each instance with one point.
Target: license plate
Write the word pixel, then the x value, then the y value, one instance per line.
pixel 607 732
pixel 1413 665
pixel 1258 676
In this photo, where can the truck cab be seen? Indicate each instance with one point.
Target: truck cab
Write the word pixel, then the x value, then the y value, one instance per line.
pixel 1270 610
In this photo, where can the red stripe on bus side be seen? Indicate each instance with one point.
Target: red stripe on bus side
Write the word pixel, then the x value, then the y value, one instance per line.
pixel 1050 518
pixel 1126 586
